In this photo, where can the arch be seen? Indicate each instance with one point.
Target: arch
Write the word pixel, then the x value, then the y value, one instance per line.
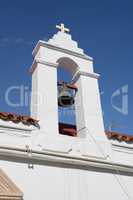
pixel 69 64
pixel 67 117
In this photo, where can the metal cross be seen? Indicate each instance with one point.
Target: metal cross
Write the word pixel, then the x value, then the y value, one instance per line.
pixel 62 28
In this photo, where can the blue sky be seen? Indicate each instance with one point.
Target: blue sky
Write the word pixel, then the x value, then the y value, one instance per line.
pixel 104 29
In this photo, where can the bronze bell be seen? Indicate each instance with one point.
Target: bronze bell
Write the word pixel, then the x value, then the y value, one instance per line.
pixel 66 94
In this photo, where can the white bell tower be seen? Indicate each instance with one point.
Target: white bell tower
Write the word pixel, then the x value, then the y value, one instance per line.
pixel 62 50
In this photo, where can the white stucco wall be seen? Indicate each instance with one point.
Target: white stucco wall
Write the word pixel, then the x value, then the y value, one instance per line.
pixel 64 183
pixel 66 168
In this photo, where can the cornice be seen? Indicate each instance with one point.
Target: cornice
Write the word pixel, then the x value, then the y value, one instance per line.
pixel 38 60
pixel 63 158
pixel 122 148
pixel 82 73
pixel 53 47
pixel 4 125
pixel 50 64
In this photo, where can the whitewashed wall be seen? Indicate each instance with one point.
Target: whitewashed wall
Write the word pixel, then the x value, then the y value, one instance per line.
pixel 51 182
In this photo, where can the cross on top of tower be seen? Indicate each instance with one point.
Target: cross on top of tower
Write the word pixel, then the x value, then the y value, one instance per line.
pixel 62 28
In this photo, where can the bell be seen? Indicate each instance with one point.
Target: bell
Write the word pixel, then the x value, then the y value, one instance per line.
pixel 66 94
pixel 65 100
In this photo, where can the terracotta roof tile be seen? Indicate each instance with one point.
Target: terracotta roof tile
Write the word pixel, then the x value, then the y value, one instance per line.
pixel 119 136
pixel 26 120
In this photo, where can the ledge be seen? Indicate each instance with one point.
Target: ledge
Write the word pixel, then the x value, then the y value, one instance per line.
pixel 38 60
pixel 71 160
pixel 79 73
pixel 14 126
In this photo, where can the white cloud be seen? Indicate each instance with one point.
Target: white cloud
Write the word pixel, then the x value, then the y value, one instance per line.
pixel 4 41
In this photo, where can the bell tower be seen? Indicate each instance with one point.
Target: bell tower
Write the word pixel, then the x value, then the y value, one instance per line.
pixel 62 50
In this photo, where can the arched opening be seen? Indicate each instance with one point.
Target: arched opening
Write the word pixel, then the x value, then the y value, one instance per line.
pixel 66 114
